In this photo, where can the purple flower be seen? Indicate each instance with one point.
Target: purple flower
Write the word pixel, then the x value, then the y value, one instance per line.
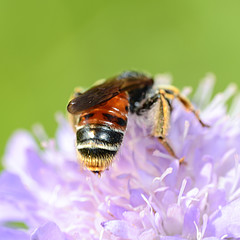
pixel 46 195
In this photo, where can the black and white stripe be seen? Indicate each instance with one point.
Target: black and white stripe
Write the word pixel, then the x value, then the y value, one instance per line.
pixel 98 141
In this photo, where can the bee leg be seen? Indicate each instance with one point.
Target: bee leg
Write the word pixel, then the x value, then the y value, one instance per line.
pixel 147 104
pixel 169 149
pixel 161 100
pixel 162 123
pixel 162 120
pixel 187 104
pixel 172 92
pixel 77 92
pixel 98 173
pixel 72 118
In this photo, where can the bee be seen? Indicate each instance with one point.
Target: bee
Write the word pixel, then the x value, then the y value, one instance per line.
pixel 99 115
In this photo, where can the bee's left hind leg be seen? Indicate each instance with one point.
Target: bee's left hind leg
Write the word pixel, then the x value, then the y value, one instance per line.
pixel 77 92
pixel 72 118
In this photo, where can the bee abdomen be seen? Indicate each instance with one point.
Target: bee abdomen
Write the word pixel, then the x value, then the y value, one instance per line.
pixel 97 145
pixel 99 133
pixel 97 153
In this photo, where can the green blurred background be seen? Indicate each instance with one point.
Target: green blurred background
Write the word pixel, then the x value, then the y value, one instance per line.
pixel 49 47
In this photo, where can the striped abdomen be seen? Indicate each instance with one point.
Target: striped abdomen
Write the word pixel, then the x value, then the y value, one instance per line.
pixel 100 131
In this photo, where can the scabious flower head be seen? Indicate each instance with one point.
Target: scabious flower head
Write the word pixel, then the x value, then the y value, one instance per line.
pixel 146 194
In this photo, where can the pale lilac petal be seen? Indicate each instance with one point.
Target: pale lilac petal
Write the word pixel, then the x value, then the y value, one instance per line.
pixel 191 216
pixel 171 179
pixel 171 238
pixel 117 211
pixel 13 234
pixel 65 137
pixel 15 157
pixel 216 199
pixel 169 198
pixel 174 222
pixel 40 172
pixel 11 213
pixel 121 229
pixel 49 231
pixel 205 175
pixel 112 210
pixel 12 188
pixel 136 197
pixel 211 238
pixel 146 235
pixel 133 218
pixel 225 221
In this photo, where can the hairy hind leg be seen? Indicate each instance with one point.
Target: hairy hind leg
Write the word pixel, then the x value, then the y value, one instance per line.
pixel 161 119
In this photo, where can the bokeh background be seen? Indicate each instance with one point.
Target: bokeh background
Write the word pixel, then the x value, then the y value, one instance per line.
pixel 48 47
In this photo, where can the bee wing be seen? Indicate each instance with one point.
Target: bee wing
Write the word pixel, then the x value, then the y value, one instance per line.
pixel 110 88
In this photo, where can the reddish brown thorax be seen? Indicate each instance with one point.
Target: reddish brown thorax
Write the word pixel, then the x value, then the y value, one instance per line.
pixel 113 113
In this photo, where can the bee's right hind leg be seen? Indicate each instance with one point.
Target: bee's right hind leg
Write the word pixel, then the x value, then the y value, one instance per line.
pixel 161 118
pixel 169 149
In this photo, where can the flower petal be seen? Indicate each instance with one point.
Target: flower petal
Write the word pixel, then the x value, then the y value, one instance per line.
pixel 120 228
pixel 225 221
pixel 15 156
pixel 13 234
pixel 192 215
pixel 49 231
